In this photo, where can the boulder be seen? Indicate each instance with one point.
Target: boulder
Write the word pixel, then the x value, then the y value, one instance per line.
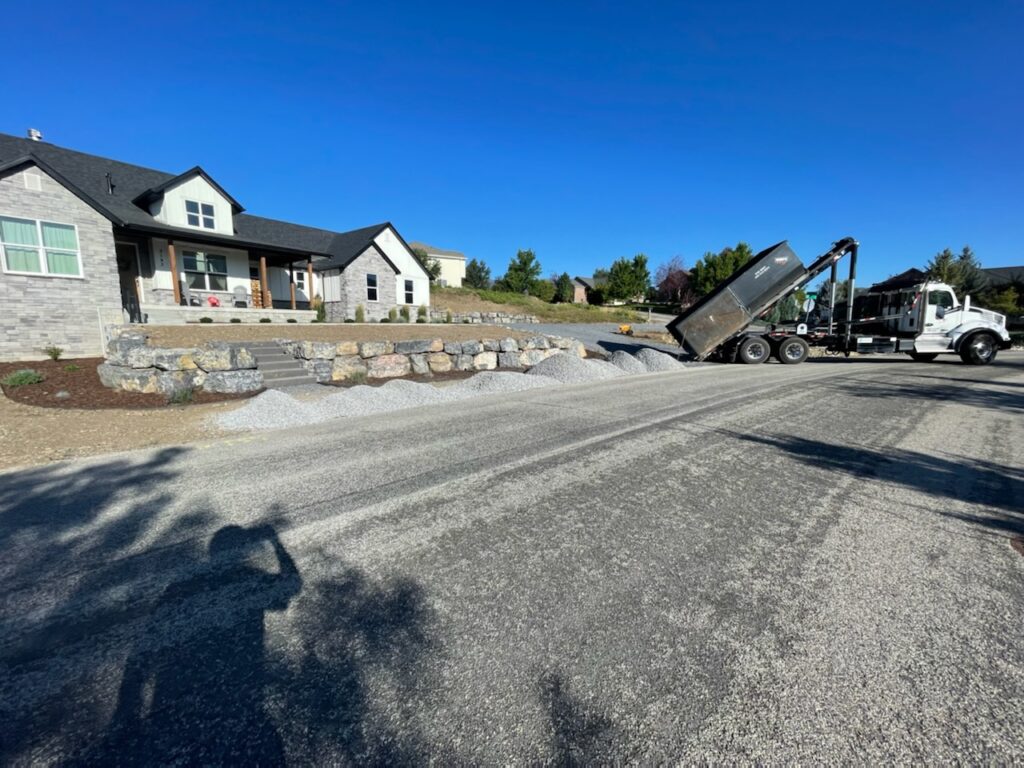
pixel 578 349
pixel 485 361
pixel 118 349
pixel 508 360
pixel 346 366
pixel 174 359
pixel 169 382
pixel 436 345
pixel 343 348
pixel 508 345
pixel 472 347
pixel 560 342
pixel 222 356
pixel 530 357
pixel 388 366
pixel 463 362
pixel 439 362
pixel 420 366
pixel 128 379
pixel 319 350
pixel 453 348
pixel 232 382
pixel 491 345
pixel 141 357
pixel 320 369
pixel 375 348
pixel 418 347
pixel 541 342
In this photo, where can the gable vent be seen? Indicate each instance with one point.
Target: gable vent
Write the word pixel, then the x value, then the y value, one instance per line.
pixel 33 181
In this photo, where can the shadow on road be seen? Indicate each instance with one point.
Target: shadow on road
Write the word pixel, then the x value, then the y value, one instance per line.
pixel 578 736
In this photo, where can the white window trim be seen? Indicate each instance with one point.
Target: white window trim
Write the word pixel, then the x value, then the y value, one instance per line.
pixel 201 216
pixel 375 288
pixel 206 273
pixel 409 289
pixel 42 249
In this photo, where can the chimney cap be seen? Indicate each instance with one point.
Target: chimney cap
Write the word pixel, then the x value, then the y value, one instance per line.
pixel 35 134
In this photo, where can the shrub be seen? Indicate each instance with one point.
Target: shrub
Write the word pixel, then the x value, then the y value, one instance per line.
pixel 72 368
pixel 404 312
pixel 465 320
pixel 53 353
pixel 235 320
pixel 293 320
pixel 21 378
pixel 182 396
pixel 264 319
pixel 448 316
pixel 421 319
pixel 1017 340
pixel 422 311
pixel 205 319
pixel 321 309
pixel 360 314
pixel 385 320
pixel 357 377
pixel 349 320
pixel 393 315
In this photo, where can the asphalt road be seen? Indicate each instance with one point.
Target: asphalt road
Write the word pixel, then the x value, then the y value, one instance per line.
pixel 747 564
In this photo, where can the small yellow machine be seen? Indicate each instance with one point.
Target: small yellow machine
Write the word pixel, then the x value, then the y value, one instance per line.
pixel 626 330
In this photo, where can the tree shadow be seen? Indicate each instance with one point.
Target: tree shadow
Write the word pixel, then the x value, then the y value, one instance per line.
pixel 578 736
pixel 997 486
pixel 989 395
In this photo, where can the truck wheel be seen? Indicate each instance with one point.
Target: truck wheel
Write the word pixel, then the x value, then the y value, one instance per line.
pixel 754 350
pixel 792 351
pixel 979 349
pixel 923 357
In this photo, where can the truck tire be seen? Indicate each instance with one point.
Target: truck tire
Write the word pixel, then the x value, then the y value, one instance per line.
pixel 923 357
pixel 792 351
pixel 979 349
pixel 754 350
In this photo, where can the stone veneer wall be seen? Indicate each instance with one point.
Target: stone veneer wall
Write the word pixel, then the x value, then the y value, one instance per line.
pixel 353 289
pixel 488 318
pixel 68 312
pixel 338 361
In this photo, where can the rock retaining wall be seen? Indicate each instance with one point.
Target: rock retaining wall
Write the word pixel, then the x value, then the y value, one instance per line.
pixel 487 318
pixel 338 361
pixel 217 366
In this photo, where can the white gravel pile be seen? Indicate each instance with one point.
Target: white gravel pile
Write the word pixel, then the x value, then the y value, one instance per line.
pixel 657 362
pixel 620 358
pixel 570 369
pixel 272 409
pixel 490 382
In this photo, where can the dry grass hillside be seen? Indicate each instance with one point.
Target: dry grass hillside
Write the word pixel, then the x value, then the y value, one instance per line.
pixel 475 300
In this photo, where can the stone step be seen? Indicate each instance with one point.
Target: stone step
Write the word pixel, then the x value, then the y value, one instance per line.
pixel 280 365
pixel 291 381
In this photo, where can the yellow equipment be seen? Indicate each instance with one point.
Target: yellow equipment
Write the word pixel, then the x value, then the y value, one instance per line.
pixel 626 330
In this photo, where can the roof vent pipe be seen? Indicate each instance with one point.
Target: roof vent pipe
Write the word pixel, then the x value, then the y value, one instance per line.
pixel 110 184
pixel 35 134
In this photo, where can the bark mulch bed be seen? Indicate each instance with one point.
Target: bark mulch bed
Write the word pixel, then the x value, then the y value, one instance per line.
pixel 79 379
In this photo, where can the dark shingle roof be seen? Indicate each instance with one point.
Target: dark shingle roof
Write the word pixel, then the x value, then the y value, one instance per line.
pixel 1000 276
pixel 86 176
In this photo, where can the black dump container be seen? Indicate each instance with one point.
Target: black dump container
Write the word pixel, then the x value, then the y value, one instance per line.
pixel 737 302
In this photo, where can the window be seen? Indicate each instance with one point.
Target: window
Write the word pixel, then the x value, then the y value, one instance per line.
pixel 206 271
pixel 371 287
pixel 39 247
pixel 408 292
pixel 942 299
pixel 300 281
pixel 199 214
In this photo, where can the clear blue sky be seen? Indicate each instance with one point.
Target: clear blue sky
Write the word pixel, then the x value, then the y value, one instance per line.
pixel 584 131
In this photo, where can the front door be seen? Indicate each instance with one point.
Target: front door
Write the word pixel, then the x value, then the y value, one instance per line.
pixel 128 274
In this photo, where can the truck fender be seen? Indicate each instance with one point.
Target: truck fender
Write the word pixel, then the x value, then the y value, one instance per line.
pixel 962 333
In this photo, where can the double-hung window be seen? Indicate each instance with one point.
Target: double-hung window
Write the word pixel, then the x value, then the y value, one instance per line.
pixel 371 287
pixel 199 214
pixel 33 247
pixel 206 271
pixel 408 292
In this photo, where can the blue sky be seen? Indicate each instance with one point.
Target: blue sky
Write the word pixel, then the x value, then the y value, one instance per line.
pixel 583 131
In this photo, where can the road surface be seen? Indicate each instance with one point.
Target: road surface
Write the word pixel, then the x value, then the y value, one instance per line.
pixel 774 564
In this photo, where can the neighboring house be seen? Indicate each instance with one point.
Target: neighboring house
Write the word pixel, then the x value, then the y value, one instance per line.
pixel 453 263
pixel 1004 277
pixel 86 241
pixel 579 292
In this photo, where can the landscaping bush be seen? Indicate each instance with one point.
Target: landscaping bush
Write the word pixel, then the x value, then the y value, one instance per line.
pixel 235 320
pixel 421 313
pixel 53 353
pixel 349 320
pixel 21 378
pixel 264 319
pixel 71 368
pixel 357 377
pixel 360 314
pixel 182 396
pixel 404 312
pixel 205 319
pixel 321 309
pixel 393 315
pixel 448 316
pixel 293 320
pixel 421 319
pixel 385 320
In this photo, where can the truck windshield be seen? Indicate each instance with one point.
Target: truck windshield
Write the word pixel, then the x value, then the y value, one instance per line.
pixel 942 299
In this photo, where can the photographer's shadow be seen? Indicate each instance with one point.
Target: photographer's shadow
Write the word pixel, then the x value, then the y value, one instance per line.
pixel 193 688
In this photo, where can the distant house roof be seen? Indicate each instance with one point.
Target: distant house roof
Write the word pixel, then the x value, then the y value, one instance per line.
pixel 1000 276
pixel 591 282
pixel 906 279
pixel 125 202
pixel 433 251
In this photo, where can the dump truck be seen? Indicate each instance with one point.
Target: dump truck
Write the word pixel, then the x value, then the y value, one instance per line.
pixel 916 316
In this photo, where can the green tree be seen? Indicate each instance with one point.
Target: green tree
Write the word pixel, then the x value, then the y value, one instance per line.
pixel 522 272
pixel 543 290
pixel 628 278
pixel 478 275
pixel 785 311
pixel 962 271
pixel 1005 302
pixel 433 266
pixel 564 291
pixel 712 268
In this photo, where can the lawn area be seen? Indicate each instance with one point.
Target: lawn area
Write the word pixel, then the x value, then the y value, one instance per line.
pixel 195 334
pixel 475 300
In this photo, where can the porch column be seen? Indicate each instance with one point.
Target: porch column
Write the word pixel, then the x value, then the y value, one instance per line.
pixel 174 272
pixel 264 283
pixel 309 281
pixel 291 281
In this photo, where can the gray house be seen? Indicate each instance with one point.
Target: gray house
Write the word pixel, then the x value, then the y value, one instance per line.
pixel 86 242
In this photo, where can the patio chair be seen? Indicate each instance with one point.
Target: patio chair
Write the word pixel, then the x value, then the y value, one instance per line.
pixel 241 298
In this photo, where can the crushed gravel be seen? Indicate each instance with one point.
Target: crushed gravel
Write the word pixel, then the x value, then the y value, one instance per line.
pixel 275 409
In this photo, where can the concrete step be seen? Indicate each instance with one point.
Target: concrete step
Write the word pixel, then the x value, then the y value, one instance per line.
pixel 279 365
pixel 291 381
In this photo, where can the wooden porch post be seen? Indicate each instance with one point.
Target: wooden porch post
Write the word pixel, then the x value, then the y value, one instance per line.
pixel 291 281
pixel 264 283
pixel 309 282
pixel 174 272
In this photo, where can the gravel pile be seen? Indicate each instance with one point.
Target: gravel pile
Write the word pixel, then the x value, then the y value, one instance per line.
pixel 657 362
pixel 622 359
pixel 274 409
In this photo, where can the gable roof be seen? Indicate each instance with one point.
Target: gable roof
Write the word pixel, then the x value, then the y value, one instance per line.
pixel 906 279
pixel 591 282
pixel 1000 276
pixel 86 176
pixel 432 251
pixel 156 192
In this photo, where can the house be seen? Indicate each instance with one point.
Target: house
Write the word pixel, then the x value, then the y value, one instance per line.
pixel 579 291
pixel 1004 277
pixel 453 263
pixel 87 242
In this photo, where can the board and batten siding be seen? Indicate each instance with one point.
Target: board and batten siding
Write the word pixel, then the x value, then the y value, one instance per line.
pixel 67 312
pixel 170 209
pixel 408 268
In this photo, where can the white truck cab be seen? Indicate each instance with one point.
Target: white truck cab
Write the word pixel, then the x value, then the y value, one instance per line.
pixel 945 326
